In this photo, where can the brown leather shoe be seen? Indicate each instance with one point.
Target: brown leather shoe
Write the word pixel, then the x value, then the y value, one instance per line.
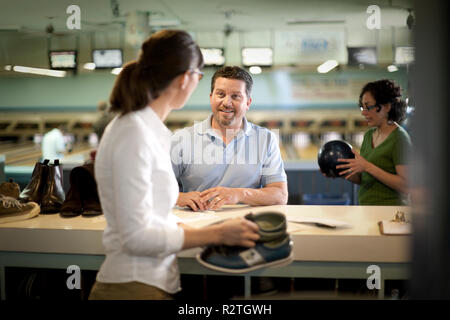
pixel 91 207
pixel 53 195
pixel 72 205
pixel 82 197
pixel 89 194
pixel 33 191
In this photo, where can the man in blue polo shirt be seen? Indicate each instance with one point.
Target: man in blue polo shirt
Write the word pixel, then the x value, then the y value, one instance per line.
pixel 225 159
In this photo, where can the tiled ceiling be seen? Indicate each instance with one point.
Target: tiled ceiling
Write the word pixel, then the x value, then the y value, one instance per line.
pixel 198 15
pixel 25 25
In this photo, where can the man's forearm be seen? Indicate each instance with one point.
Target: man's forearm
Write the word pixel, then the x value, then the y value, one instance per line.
pixel 263 197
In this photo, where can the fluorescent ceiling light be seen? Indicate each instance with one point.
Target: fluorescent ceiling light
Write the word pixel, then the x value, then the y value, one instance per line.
pixel 89 66
pixel 42 72
pixel 10 28
pixel 392 68
pixel 8 67
pixel 327 66
pixel 116 71
pixel 255 70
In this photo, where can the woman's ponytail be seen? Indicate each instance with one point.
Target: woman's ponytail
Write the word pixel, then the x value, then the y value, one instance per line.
pixel 130 92
pixel 164 56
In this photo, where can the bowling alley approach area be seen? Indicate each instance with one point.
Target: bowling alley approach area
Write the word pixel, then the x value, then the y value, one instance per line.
pixel 224 152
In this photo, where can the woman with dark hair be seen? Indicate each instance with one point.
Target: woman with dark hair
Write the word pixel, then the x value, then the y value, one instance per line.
pixel 381 168
pixel 136 183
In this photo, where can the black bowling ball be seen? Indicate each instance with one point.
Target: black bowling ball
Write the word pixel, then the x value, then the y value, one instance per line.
pixel 328 155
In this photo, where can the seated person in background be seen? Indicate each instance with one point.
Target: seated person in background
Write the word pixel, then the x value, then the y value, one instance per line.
pixel 225 159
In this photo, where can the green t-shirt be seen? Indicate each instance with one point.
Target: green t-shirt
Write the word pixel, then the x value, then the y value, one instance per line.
pixel 391 152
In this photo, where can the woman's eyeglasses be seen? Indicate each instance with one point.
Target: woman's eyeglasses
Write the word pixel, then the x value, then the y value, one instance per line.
pixel 200 74
pixel 368 108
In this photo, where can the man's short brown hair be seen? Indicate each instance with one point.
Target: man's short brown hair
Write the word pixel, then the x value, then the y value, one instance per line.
pixel 233 72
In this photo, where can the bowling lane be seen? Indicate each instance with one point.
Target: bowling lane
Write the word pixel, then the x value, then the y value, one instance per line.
pixel 27 153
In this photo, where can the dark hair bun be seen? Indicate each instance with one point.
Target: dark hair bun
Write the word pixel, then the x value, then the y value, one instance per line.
pixel 390 89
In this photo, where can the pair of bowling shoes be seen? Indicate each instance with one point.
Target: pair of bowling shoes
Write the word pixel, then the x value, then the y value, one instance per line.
pixel 274 248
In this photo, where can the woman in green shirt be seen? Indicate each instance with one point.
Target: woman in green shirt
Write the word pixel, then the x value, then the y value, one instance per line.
pixel 381 168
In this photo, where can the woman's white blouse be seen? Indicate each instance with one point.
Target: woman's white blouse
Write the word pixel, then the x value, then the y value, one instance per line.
pixel 138 189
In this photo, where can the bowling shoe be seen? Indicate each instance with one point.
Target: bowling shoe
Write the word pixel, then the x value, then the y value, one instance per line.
pixel 13 210
pixel 10 189
pixel 274 248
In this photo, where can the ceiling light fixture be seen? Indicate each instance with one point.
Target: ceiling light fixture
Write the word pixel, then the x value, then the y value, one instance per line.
pixel 39 71
pixel 116 71
pixel 89 66
pixel 392 68
pixel 327 66
pixel 255 70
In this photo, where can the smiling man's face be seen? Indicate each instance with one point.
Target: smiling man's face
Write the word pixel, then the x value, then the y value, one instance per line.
pixel 229 103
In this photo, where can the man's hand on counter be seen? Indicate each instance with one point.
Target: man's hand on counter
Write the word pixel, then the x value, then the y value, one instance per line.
pixel 192 200
pixel 217 197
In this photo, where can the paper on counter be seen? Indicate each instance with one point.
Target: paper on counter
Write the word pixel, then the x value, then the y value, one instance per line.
pixel 321 222
pixel 199 218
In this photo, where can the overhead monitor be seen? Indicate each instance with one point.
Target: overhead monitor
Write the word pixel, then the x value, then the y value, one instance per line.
pixel 63 59
pixel 262 57
pixel 107 58
pixel 404 55
pixel 362 55
pixel 213 57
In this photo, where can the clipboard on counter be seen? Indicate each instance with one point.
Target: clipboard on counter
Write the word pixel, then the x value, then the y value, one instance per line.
pixel 397 226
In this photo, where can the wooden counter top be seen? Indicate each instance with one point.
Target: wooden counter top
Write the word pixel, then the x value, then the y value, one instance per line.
pixel 361 242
